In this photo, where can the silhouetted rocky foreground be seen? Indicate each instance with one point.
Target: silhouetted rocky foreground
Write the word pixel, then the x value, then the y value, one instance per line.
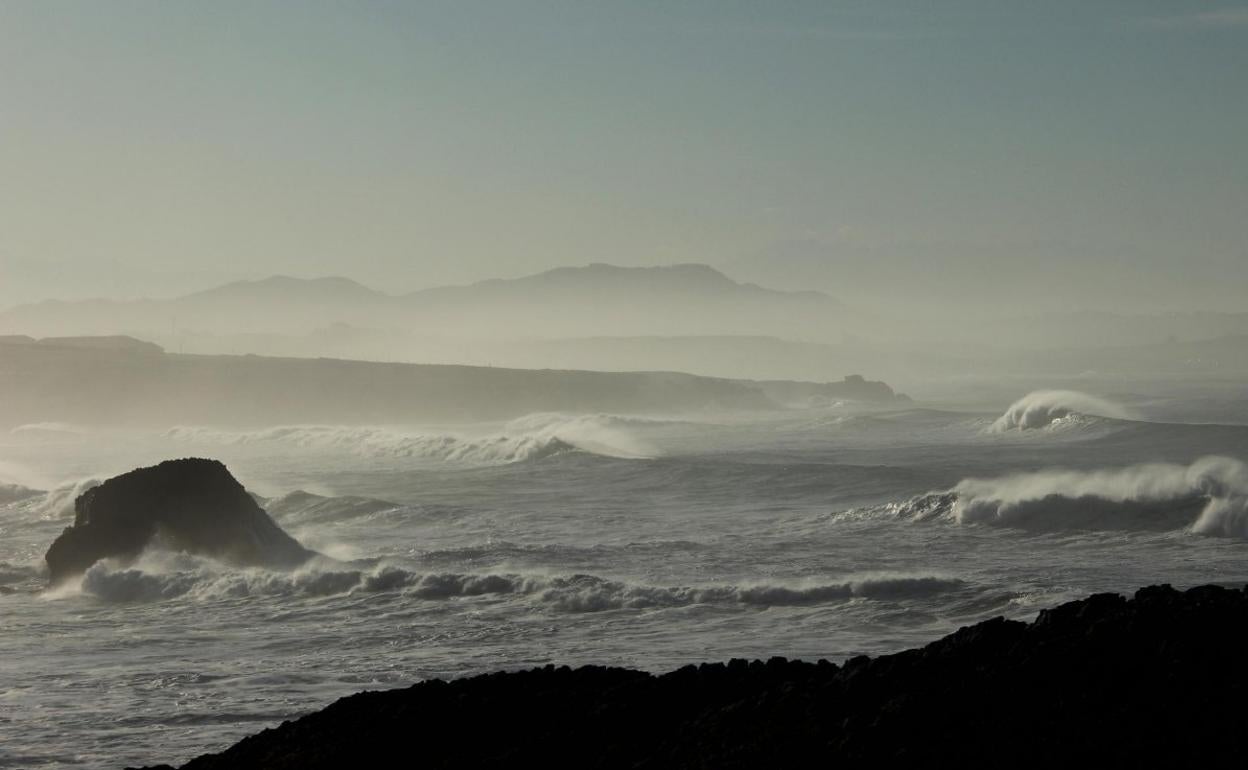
pixel 1157 680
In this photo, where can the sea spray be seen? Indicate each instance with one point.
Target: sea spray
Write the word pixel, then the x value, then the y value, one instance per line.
pixel 1208 497
pixel 1046 408
pixel 167 575
pixel 531 438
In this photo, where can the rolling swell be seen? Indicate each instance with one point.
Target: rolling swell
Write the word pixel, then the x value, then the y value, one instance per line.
pixel 306 507
pixel 12 493
pixel 11 574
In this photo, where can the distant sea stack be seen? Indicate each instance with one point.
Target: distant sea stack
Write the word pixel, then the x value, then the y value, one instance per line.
pixel 1159 680
pixel 853 387
pixel 191 505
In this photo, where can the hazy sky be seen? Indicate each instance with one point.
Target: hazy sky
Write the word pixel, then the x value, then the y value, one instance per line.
pixel 1086 153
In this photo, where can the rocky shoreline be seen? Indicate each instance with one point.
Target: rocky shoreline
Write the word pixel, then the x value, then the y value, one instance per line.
pixel 1159 679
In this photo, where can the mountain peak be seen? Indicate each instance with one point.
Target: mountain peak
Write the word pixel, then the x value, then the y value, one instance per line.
pixel 688 277
pixel 290 286
pixel 686 271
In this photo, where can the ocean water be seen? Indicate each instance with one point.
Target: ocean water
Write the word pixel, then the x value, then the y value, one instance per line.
pixel 647 542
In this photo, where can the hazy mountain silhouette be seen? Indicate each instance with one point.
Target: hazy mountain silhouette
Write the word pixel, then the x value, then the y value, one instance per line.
pixel 682 279
pixel 602 299
pixel 287 288
pixel 569 301
pixel 687 317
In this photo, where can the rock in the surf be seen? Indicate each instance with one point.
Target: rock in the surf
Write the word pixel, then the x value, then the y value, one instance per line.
pixel 192 505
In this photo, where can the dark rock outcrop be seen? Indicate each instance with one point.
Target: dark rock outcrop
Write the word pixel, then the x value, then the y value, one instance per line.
pixel 1159 680
pixel 192 505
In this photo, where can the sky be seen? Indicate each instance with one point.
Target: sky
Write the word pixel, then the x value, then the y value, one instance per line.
pixel 989 155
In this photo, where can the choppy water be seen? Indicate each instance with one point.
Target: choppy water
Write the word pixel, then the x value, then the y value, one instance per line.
pixel 628 541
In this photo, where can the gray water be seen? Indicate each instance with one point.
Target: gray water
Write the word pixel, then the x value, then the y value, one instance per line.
pixel 641 542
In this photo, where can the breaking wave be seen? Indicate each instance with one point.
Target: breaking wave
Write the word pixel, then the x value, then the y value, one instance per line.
pixel 1055 409
pixel 1208 497
pixel 167 576
pixel 530 438
pixel 387 443
pixel 58 503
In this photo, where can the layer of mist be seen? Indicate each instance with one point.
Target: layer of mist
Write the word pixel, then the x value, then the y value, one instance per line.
pixel 687 318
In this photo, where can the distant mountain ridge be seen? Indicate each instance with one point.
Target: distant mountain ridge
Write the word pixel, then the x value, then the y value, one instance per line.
pixel 679 277
pixel 327 287
pixel 684 276
pixel 591 299
pixel 691 277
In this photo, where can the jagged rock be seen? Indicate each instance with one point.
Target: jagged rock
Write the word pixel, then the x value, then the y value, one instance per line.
pixel 193 505
pixel 1155 681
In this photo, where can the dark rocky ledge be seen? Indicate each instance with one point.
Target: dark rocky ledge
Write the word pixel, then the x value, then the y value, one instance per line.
pixel 1158 680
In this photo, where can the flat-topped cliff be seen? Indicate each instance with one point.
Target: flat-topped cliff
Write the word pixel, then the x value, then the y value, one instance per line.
pixel 116 381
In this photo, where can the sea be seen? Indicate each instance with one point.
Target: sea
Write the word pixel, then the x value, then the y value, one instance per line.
pixel 825 530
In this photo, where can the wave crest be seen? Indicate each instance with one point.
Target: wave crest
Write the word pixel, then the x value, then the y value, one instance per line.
pixel 530 438
pixel 58 503
pixel 1208 497
pixel 168 576
pixel 1055 408
pixel 385 442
